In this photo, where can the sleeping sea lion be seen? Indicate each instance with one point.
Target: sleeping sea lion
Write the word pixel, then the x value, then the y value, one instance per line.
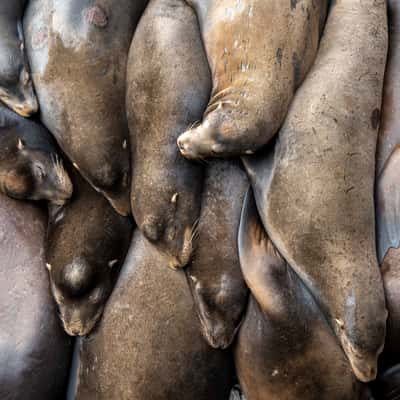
pixel 387 197
pixel 388 243
pixel 285 349
pixel 16 88
pixel 387 386
pixel 78 52
pixel 87 242
pixel 389 133
pixel 35 353
pixel 167 91
pixel 259 52
pixel 315 192
pixel 30 167
pixel 214 275
pixel 148 344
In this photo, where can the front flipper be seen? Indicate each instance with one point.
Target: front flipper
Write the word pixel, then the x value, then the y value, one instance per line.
pixel 265 271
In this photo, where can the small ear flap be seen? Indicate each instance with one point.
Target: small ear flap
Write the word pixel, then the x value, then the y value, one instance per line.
pixel 20 144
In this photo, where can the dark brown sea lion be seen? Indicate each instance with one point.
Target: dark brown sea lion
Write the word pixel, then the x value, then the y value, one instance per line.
pixel 387 386
pixel 78 52
pixel 259 52
pixel 315 193
pixel 35 353
pixel 214 275
pixel 16 89
pixel 285 348
pixel 30 167
pixel 148 344
pixel 168 89
pixel 87 241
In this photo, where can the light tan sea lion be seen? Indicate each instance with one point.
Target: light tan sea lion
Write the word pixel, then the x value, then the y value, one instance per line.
pixel 259 52
pixel 316 202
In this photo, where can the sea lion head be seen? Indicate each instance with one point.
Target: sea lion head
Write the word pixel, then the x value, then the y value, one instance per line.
pixel 80 290
pixel 199 142
pixel 214 137
pixel 174 233
pixel 16 87
pixel 86 244
pixel 362 348
pixel 34 174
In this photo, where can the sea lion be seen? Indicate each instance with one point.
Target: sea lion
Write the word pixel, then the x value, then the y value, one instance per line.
pixel 387 386
pixel 167 91
pixel 214 275
pixel 148 344
pixel 259 52
pixel 388 148
pixel 35 353
pixel 87 242
pixel 315 192
pixel 30 166
pixel 78 52
pixel 389 133
pixel 16 88
pixel 388 244
pixel 387 196
pixel 285 349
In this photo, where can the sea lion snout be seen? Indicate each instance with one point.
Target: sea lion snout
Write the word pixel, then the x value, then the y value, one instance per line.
pixel 363 362
pixel 199 142
pixel 17 91
pixel 174 240
pixel 184 254
pixel 79 321
pixel 364 371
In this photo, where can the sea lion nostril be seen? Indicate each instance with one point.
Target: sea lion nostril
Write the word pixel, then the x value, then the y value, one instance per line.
pixel 181 144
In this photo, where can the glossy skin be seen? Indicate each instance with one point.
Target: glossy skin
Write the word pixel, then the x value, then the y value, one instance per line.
pixel 259 52
pixel 78 54
pixel 87 242
pixel 168 89
pixel 30 166
pixel 16 88
pixel 35 353
pixel 285 349
pixel 215 278
pixel 148 344
pixel 320 180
